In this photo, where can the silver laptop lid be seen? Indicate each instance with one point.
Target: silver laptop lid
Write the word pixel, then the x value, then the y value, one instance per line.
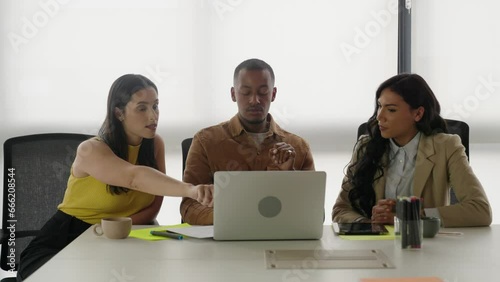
pixel 269 205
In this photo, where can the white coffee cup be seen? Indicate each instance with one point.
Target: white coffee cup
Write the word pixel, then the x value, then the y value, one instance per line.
pixel 113 227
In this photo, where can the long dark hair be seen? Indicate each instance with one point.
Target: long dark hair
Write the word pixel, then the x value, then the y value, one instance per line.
pixel 112 132
pixel 369 166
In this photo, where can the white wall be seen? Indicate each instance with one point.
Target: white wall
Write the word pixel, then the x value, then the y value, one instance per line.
pixel 455 47
pixel 59 59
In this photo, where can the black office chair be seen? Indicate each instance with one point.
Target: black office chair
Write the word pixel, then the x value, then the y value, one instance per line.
pixel 36 171
pixel 185 144
pixel 454 127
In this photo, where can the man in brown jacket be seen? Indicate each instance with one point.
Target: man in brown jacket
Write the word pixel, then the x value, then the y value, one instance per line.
pixel 251 140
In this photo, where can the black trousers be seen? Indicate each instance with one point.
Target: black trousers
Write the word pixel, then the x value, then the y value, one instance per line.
pixel 56 234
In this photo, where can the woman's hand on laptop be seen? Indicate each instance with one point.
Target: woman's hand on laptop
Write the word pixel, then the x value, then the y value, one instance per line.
pixel 203 193
pixel 283 156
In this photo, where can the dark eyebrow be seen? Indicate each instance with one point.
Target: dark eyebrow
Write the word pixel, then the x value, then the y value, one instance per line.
pixel 146 103
pixel 386 105
pixel 260 86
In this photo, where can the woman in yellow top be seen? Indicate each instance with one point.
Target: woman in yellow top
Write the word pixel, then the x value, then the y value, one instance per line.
pixel 117 173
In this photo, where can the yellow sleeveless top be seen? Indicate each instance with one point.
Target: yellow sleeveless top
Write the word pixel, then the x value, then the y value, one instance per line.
pixel 87 198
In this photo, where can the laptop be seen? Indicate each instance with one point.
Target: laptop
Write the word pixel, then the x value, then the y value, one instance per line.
pixel 269 205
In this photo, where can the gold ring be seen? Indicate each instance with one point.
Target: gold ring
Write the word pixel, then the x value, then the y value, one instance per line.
pixel 289 151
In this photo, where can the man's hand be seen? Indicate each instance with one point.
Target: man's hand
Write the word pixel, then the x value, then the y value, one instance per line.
pixel 283 156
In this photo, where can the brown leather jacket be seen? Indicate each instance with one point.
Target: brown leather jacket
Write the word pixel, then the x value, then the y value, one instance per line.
pixel 228 147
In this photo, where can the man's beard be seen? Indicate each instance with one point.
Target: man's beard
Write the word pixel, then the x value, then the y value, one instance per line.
pixel 256 121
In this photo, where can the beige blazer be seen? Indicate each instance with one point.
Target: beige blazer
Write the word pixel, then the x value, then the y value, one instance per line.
pixel 441 164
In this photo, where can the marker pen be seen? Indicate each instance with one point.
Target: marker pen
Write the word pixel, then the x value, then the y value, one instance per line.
pixel 167 234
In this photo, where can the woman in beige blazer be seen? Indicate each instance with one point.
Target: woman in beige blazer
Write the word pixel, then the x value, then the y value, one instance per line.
pixel 407 152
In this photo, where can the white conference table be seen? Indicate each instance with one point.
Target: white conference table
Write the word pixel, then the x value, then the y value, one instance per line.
pixel 473 257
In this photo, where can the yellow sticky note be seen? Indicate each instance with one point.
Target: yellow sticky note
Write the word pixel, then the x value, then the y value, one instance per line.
pixel 145 234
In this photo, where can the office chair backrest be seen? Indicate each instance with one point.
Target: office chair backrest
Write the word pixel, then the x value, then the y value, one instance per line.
pixel 458 127
pixel 186 144
pixel 461 129
pixel 36 171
